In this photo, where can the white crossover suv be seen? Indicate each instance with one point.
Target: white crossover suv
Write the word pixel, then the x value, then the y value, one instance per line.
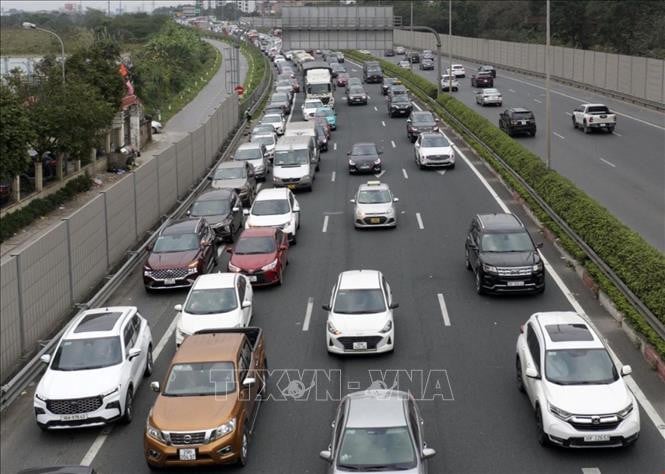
pixel 275 207
pixel 374 206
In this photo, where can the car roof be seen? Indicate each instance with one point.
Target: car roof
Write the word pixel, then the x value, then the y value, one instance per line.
pixel 519 109
pixel 500 221
pixel 422 113
pixel 183 226
pixel 249 145
pixel 215 347
pixel 558 331
pixel 359 279
pixel 99 322
pixel 233 164
pixel 376 409
pixel 373 186
pixel 211 281
pixel 594 105
pixel 272 193
pixel 363 143
pixel 433 135
pixel 258 232
pixel 216 195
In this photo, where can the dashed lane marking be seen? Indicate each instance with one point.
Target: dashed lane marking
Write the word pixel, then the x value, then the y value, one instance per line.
pixel 557 135
pixel 608 163
pixel 444 309
pixel 406 176
pixel 420 221
pixel 332 178
pixel 325 224
pixel 308 313
pixel 392 142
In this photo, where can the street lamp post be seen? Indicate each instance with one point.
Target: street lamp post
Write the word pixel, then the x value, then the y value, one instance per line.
pixel 450 48
pixel 547 90
pixel 32 26
pixel 438 48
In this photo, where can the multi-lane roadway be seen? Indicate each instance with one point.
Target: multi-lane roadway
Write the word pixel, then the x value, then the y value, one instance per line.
pixel 461 344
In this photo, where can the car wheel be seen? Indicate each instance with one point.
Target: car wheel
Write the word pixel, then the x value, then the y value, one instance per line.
pixel 586 128
pixel 452 167
pixel 540 432
pixel 610 129
pixel 533 133
pixel 148 363
pixel 467 263
pixel 479 284
pixel 518 375
pixel 148 289
pixel 244 448
pixel 128 415
pixel 574 123
pixel 154 131
pixel 281 277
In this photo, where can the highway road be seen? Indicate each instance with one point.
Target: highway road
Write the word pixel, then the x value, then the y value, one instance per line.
pixel 624 171
pixel 477 420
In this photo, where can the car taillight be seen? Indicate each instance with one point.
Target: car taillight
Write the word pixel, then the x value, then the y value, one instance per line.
pixel 590 119
pixel 521 328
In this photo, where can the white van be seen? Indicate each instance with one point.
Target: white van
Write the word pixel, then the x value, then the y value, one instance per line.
pixel 294 165
pixel 304 129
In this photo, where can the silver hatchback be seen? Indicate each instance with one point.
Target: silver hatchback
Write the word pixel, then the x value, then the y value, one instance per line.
pixel 378 431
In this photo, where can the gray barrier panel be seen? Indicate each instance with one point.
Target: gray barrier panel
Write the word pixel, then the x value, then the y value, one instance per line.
pixel 167 180
pixel 625 74
pixel 612 68
pixel 578 65
pixel 184 165
pixel 87 247
pixel 600 70
pixel 210 139
pixel 655 87
pixel 147 197
pixel 557 61
pixel 568 63
pixel 45 286
pixel 120 218
pixel 217 130
pixel 638 78
pixel 198 152
pixel 587 74
pixel 10 323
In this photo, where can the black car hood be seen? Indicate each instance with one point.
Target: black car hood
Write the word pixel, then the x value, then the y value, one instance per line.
pixel 510 259
pixel 364 158
pixel 217 218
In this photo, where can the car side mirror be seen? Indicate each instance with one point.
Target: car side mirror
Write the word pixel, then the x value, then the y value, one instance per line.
pixel 539 245
pixel 236 209
pixel 348 153
pixel 189 212
pixel 393 305
pixel 428 453
pixel 133 353
pixel 532 373
pixel 326 455
pixel 352 201
pixel 296 207
pixel 229 249
pixel 246 304
pixel 178 307
pixel 154 386
pixel 210 178
pixel 245 212
pixel 326 307
pixel 150 246
pixel 248 382
pixel 626 370
pixel 396 199
pixel 408 120
pixel 46 358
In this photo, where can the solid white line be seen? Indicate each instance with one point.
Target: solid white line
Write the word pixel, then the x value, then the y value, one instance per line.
pixel 639 395
pixel 420 221
pixel 332 178
pixel 569 114
pixel 539 101
pixel 608 163
pixel 259 186
pixel 308 313
pixel 335 146
pixel 376 109
pixel 369 98
pixel 325 224
pixel 417 106
pixel 615 133
pixel 383 123
pixel 441 172
pixel 590 470
pixel 392 142
pixel 444 310
pixel 511 90
pixel 406 176
pixel 380 174
pixel 557 135
pixel 162 342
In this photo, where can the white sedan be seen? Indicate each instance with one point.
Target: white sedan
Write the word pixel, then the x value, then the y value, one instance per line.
pixel 434 149
pixel 458 70
pixel 360 314
pixel 277 121
pixel 447 82
pixel 489 97
pixel 215 301
pixel 310 107
pixel 275 207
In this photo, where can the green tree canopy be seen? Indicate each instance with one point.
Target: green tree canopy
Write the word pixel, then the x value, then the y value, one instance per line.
pixel 16 134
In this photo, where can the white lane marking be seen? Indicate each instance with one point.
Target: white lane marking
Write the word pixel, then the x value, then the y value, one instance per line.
pixel 637 392
pixel 444 309
pixel 569 114
pixel 615 133
pixel 308 313
pixel 334 146
pixel 441 172
pixel 378 175
pixel 590 470
pixel 539 101
pixel 417 106
pixel 325 224
pixel 258 187
pixel 557 135
pixel 383 123
pixel 406 176
pixel 420 221
pixel 511 90
pixel 583 101
pixel 332 178
pixel 608 163
pixel 392 142
pixel 162 342
pixel 375 109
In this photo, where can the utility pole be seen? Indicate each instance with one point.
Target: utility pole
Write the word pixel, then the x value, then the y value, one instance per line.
pixel 450 48
pixel 548 153
pixel 411 25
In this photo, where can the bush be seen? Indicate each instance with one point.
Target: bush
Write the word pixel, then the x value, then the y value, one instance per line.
pixel 15 221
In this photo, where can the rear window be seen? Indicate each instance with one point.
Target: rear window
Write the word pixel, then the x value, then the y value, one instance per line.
pixel 522 115
pixel 568 332
pixel 601 109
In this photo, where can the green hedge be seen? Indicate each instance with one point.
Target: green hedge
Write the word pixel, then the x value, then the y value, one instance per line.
pixel 639 265
pixel 15 221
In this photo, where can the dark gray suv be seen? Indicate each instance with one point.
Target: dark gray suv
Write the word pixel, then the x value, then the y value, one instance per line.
pixel 236 175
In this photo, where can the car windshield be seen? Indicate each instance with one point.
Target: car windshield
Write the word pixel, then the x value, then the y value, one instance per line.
pixel 291 157
pixel 364 149
pixel 491 92
pixel 313 104
pixel 374 196
pixel 271 119
pixel 255 245
pixel 267 140
pixel 356 90
pixel 400 98
pixel 176 243
pixel 263 128
pixel 210 208
pixel 435 141
pixel 324 112
pixel 243 154
pixel 422 118
pixel 87 354
pixel 280 97
pixel 580 367
pixel 200 379
pixel 269 207
pixel 212 301
pixel 359 301
pixel 398 90
pixel 522 115
pixel 507 242
pixel 377 449
pixel 230 173
pixel 319 88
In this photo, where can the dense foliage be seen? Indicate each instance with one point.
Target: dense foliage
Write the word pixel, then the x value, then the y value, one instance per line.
pixel 15 134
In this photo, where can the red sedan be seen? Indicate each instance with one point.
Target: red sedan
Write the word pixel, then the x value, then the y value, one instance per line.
pixel 260 254
pixel 342 79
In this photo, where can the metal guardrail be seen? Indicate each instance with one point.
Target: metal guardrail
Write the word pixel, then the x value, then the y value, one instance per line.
pixel 12 389
pixel 639 306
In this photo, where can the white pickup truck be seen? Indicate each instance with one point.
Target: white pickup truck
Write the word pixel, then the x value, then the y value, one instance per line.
pixel 594 116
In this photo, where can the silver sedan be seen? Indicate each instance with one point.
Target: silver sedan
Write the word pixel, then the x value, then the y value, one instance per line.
pixel 489 97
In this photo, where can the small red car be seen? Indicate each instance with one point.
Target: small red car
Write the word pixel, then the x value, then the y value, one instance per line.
pixel 261 255
pixel 342 79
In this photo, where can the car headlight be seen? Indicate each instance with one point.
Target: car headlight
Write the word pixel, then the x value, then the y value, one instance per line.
pixel 626 411
pixel 352 163
pixel 155 433
pixel 40 397
pixel 332 329
pixel 559 413
pixel 537 267
pixel 110 392
pixel 489 268
pixel 414 129
pixel 223 430
pixel 270 266
pixel 233 268
pixel 377 161
pixel 387 327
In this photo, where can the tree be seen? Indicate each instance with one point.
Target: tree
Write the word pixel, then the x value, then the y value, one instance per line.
pixel 16 133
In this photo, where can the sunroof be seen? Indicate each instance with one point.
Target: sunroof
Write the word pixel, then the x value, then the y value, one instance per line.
pixel 98 322
pixel 569 332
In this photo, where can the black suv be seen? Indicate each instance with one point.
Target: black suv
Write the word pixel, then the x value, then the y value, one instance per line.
pixel 399 104
pixel 419 122
pixel 517 120
pixel 222 209
pixel 413 58
pixel 387 82
pixel 502 255
pixel 372 72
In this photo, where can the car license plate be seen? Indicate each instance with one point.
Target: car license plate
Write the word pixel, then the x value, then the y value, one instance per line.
pixel 169 281
pixel 596 438
pixel 603 124
pixel 515 283
pixel 291 186
pixel 188 454
pixel 79 416
pixel 359 346
pixel 375 220
pixel 251 277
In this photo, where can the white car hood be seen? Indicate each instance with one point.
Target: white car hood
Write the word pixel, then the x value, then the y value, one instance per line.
pixel 274 220
pixel 359 324
pixel 589 399
pixel 257 163
pixel 190 323
pixel 62 385
pixel 381 208
pixel 441 150
pixel 290 171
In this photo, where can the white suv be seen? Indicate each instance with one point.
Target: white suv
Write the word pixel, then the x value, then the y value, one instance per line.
pixel 215 301
pixel 275 207
pixel 360 314
pixel 578 395
pixel 95 369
